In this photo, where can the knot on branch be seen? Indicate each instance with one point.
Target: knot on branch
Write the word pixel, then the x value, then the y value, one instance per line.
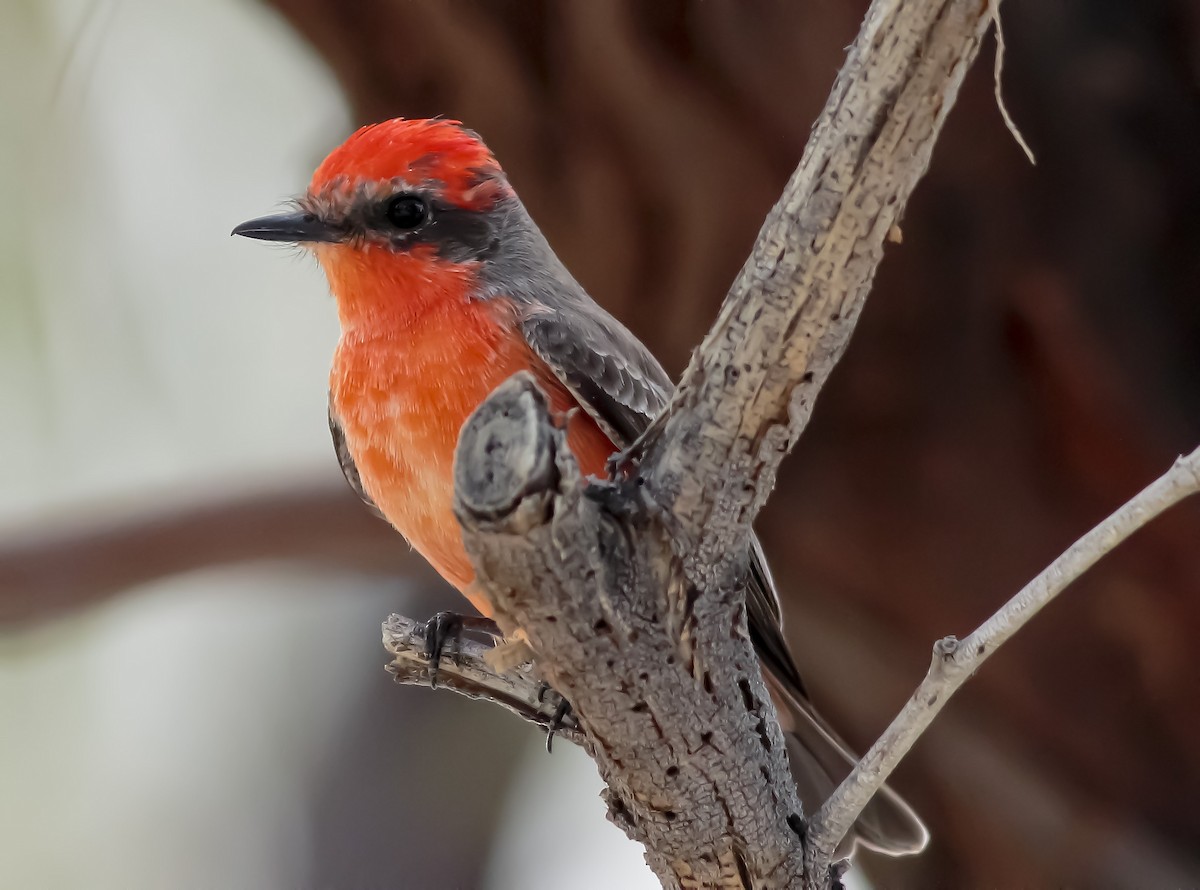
pixel 946 648
pixel 505 466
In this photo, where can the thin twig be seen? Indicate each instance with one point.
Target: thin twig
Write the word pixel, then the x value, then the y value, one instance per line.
pixel 954 661
pixel 997 71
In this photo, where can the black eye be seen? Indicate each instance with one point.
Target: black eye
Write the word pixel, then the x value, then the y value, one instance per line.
pixel 406 211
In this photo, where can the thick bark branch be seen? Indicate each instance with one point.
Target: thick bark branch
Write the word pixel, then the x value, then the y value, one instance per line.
pixel 628 593
pixel 663 678
pixel 954 661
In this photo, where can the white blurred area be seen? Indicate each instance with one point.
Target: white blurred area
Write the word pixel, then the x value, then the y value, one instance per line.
pixel 170 738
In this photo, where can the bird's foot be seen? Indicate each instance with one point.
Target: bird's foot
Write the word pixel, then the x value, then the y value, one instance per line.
pixel 448 627
pixel 621 464
pixel 561 711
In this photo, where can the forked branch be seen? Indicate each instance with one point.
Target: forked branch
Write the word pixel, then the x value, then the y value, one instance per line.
pixel 628 592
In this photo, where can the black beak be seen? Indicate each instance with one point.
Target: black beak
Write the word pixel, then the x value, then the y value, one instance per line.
pixel 295 227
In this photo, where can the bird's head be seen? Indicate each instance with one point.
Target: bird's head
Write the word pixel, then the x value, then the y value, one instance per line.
pixel 399 202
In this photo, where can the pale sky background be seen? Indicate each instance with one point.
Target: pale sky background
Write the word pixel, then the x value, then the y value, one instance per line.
pixel 158 741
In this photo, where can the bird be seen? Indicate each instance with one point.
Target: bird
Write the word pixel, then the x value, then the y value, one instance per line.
pixel 445 288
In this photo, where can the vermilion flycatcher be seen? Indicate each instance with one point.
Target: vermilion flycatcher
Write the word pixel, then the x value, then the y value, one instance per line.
pixel 445 288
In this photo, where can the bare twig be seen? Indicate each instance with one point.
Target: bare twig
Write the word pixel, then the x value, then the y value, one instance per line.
pixel 468 673
pixel 997 73
pixel 954 661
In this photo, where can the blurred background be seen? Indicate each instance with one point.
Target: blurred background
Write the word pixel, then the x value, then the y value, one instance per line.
pixel 192 690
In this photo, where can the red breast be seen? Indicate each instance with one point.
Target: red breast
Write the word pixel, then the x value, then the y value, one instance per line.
pixel 410 368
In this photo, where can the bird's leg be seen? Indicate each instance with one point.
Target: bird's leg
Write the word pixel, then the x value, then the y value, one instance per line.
pixel 561 710
pixel 620 463
pixel 445 627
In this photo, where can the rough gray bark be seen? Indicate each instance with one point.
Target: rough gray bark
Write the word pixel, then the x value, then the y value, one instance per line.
pixel 628 592
pixel 695 764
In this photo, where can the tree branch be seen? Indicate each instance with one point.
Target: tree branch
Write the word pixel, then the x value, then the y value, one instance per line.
pixel 954 661
pixel 629 592
pixel 663 678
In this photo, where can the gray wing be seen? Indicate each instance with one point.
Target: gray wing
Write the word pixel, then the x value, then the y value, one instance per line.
pixel 346 462
pixel 622 387
pixel 612 375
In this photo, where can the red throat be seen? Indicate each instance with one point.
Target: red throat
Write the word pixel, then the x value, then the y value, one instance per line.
pixel 377 288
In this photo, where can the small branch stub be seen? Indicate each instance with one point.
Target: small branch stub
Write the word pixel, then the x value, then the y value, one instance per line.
pixel 508 457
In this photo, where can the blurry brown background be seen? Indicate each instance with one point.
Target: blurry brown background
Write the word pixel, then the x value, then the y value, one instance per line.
pixel 1027 361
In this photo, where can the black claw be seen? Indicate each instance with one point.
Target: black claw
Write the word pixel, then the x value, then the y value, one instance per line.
pixel 445 627
pixel 561 710
pixel 440 629
pixel 556 722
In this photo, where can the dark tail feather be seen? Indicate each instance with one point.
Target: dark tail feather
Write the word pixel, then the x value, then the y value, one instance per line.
pixel 820 760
